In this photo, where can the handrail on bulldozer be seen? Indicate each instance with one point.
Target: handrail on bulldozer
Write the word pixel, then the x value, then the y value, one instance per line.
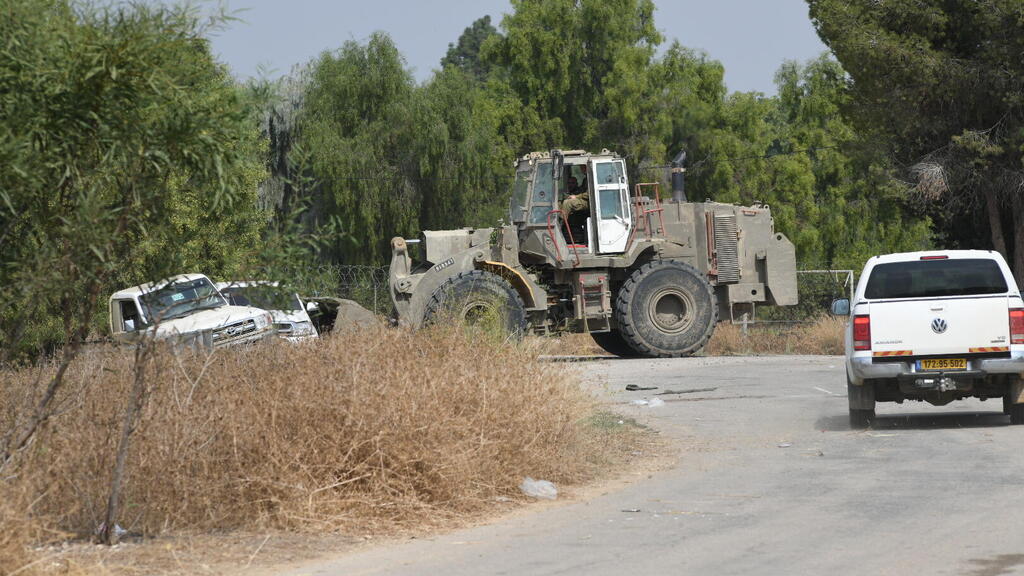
pixel 551 234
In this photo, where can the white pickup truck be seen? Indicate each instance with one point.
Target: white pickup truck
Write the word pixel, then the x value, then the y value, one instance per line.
pixel 187 309
pixel 934 327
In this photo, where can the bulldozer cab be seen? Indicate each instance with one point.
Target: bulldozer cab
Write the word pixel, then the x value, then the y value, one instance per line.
pixel 576 203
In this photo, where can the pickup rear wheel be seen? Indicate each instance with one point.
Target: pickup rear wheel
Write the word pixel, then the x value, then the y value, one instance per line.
pixel 862 403
pixel 479 299
pixel 667 309
pixel 1016 412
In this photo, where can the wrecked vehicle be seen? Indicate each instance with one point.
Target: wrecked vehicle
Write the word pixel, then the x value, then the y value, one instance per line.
pixel 642 275
pixel 187 309
pixel 291 319
pixel 339 314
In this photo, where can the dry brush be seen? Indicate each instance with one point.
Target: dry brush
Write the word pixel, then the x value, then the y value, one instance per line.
pixel 377 430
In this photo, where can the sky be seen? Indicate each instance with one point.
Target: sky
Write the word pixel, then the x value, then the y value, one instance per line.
pixel 751 38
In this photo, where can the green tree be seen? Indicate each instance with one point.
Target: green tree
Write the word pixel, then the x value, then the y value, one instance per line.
pixel 124 149
pixel 355 128
pixel 940 85
pixel 465 53
pixel 561 55
pixel 859 208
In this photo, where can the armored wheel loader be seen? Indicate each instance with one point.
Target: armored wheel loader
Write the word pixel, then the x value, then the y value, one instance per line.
pixel 643 276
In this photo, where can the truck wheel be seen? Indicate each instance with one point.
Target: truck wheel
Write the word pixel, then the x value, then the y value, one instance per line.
pixel 666 309
pixel 1017 414
pixel 1014 411
pixel 613 343
pixel 1010 407
pixel 862 403
pixel 481 299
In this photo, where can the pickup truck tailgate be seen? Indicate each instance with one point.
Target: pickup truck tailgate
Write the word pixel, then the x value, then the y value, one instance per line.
pixel 940 326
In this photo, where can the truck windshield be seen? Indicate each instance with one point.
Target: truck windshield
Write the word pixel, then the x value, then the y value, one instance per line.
pixel 181 298
pixel 542 188
pixel 517 208
pixel 265 297
pixel 935 278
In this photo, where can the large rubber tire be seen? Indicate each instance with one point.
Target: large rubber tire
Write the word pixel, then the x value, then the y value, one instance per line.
pixel 666 309
pixel 1010 408
pixel 613 343
pixel 478 297
pixel 1017 414
pixel 862 403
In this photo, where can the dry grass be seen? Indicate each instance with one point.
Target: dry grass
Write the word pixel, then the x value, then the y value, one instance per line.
pixel 15 538
pixel 571 345
pixel 824 336
pixel 377 431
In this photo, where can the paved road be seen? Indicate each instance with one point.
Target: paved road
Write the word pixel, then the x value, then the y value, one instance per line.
pixel 770 480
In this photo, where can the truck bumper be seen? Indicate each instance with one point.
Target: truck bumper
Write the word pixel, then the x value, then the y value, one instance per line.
pixel 864 368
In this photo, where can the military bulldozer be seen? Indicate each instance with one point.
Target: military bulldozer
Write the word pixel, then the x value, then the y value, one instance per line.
pixel 644 276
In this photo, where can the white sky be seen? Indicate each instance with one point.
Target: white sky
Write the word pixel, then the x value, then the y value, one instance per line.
pixel 750 37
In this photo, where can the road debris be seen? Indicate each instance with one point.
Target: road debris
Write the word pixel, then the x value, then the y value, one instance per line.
pixel 635 387
pixel 541 489
pixel 785 444
pixel 687 391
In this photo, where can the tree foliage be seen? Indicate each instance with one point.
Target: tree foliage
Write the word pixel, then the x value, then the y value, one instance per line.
pixel 465 53
pixel 561 55
pixel 939 85
pixel 125 153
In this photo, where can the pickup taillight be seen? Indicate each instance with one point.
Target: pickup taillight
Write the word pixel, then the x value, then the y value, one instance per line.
pixel 862 332
pixel 1017 326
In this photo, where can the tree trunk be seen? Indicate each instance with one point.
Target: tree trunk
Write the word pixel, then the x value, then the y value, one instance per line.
pixel 1018 239
pixel 995 222
pixel 109 532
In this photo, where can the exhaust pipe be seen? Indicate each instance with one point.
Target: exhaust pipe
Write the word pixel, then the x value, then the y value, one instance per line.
pixel 678 184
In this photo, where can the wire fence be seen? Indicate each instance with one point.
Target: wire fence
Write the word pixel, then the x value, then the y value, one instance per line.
pixel 817 289
pixel 368 285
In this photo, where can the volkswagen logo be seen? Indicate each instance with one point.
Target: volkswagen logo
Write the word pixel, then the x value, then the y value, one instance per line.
pixel 939 326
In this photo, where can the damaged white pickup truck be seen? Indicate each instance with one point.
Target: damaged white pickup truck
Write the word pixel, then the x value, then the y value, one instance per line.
pixel 187 309
pixel 934 327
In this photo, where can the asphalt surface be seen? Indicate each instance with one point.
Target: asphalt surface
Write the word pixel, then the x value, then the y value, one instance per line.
pixel 770 479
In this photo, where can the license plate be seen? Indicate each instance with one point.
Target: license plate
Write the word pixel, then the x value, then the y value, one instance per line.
pixel 942 364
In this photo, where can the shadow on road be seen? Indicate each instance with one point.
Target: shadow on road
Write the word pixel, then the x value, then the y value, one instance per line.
pixel 918 421
pixel 595 358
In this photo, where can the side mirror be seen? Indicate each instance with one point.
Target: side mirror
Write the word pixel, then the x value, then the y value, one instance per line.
pixel 312 307
pixel 841 307
pixel 129 325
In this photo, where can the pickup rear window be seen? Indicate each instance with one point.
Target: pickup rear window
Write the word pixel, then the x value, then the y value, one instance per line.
pixel 935 278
